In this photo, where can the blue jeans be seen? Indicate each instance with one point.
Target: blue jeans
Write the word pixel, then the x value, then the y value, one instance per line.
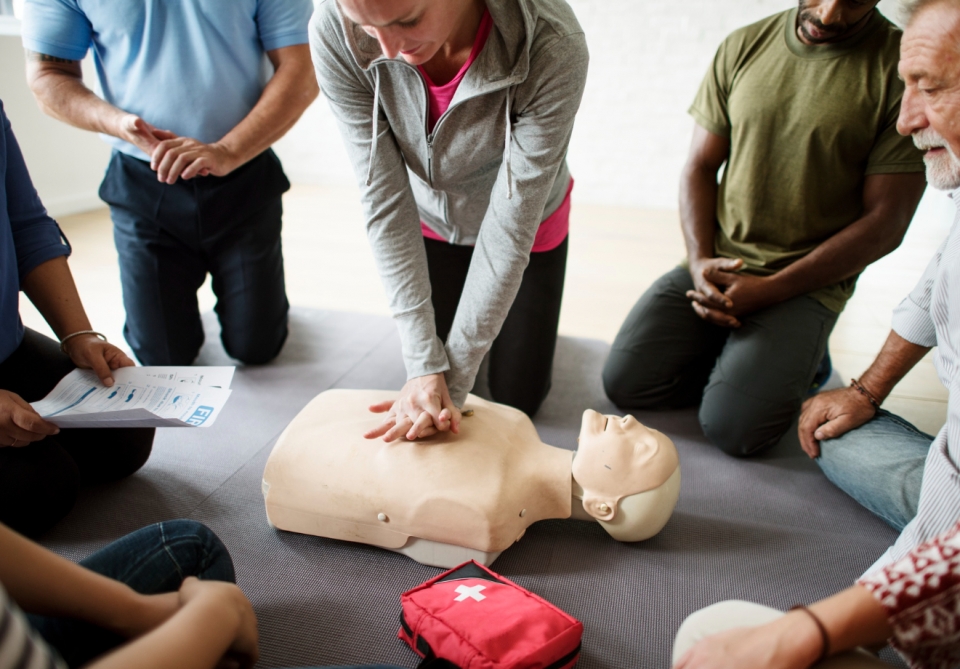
pixel 879 464
pixel 151 560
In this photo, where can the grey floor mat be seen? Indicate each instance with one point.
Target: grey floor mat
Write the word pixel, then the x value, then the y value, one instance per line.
pixel 770 529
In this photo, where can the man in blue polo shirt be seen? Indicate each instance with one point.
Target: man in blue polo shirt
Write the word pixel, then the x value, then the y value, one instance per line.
pixel 191 109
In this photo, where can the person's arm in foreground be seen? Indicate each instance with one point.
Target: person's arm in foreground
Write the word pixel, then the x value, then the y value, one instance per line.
pixel 911 603
pixel 889 201
pixel 851 618
pixel 831 414
pixel 193 628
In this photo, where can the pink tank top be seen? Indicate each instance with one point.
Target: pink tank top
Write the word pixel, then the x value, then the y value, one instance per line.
pixel 554 228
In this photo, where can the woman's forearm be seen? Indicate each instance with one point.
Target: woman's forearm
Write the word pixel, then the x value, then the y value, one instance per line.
pixel 853 618
pixel 51 288
pixel 196 637
pixel 44 583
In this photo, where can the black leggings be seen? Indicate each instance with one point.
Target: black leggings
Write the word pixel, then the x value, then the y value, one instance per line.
pixel 39 483
pixel 521 358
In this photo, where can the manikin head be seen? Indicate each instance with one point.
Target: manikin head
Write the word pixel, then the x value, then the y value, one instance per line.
pixel 412 29
pixel 831 21
pixel 629 474
pixel 930 69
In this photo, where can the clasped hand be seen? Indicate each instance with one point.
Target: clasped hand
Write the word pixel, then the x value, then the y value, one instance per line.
pixel 20 424
pixel 423 409
pixel 174 157
pixel 722 293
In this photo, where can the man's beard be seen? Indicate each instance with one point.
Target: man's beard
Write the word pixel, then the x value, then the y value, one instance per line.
pixel 943 169
pixel 829 33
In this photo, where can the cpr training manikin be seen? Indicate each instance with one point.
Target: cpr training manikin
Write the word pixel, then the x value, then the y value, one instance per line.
pixel 449 498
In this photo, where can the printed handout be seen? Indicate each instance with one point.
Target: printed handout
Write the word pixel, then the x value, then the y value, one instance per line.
pixel 139 397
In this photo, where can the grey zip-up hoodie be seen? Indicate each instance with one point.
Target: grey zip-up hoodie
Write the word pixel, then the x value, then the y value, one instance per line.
pixel 493 168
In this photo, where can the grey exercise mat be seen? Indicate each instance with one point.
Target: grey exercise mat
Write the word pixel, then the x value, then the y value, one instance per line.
pixel 770 529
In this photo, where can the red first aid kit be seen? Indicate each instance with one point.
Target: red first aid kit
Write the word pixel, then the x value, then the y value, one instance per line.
pixel 472 618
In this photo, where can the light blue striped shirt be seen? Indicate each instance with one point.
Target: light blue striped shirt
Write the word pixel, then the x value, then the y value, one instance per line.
pixel 930 316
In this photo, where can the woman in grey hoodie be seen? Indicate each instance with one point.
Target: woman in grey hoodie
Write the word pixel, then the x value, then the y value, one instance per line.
pixel 457 115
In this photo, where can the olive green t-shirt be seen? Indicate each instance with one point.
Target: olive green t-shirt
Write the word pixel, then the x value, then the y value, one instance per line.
pixel 806 125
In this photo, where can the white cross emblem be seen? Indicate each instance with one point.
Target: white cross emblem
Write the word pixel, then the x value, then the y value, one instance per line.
pixel 472 593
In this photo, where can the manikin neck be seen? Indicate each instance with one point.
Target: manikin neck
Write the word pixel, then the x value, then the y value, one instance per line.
pixel 577 512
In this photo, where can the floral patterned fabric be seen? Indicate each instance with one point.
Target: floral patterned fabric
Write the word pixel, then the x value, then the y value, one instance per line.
pixel 921 594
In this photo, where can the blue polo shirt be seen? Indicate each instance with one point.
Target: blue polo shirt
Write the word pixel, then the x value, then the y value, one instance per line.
pixel 28 237
pixel 194 67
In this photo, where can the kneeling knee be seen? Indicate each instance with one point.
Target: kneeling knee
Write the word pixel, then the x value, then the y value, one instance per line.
pixel 252 350
pixel 198 550
pixel 626 385
pixel 737 432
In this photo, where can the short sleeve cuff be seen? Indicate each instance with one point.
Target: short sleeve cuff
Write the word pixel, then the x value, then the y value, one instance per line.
pixel 717 128
pixel 67 52
pixel 284 39
pixel 914 324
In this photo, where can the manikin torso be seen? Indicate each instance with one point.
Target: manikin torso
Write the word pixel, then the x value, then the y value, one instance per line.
pixel 450 498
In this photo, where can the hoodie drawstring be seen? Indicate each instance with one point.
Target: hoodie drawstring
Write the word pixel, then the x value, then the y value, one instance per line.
pixel 508 149
pixel 376 120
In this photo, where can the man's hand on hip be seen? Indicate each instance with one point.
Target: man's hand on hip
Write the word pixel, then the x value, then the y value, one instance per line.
pixel 831 414
pixel 185 158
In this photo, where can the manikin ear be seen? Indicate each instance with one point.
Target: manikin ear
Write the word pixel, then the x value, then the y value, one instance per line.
pixel 601 508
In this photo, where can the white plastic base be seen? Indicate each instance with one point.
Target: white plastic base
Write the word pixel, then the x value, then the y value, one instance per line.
pixel 437 554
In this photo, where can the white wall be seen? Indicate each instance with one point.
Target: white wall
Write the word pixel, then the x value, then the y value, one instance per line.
pixel 647 58
pixel 631 137
pixel 66 164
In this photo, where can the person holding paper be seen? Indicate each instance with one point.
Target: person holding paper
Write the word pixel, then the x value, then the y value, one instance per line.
pixel 42 467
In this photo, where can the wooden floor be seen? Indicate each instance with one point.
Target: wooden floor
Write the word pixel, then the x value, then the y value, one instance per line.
pixel 615 253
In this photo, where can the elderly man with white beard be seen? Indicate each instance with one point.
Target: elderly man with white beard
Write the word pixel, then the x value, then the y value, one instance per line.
pixel 878 458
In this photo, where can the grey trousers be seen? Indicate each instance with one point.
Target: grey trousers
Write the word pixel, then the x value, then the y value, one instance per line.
pixel 749 381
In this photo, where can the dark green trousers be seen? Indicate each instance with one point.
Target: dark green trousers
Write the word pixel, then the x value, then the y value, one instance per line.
pixel 749 381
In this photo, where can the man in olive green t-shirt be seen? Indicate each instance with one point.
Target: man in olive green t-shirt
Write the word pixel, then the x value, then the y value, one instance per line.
pixel 802 108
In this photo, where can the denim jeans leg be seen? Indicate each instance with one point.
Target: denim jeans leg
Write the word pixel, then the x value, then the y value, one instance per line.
pixel 152 560
pixel 879 464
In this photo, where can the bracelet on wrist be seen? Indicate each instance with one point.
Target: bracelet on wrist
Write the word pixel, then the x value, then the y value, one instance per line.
pixel 63 348
pixel 824 637
pixel 854 383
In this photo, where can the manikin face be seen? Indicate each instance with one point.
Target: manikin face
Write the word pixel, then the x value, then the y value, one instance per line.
pixel 618 457
pixel 930 109
pixel 413 29
pixel 829 21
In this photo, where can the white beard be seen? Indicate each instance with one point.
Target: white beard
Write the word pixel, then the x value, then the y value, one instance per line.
pixel 943 170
